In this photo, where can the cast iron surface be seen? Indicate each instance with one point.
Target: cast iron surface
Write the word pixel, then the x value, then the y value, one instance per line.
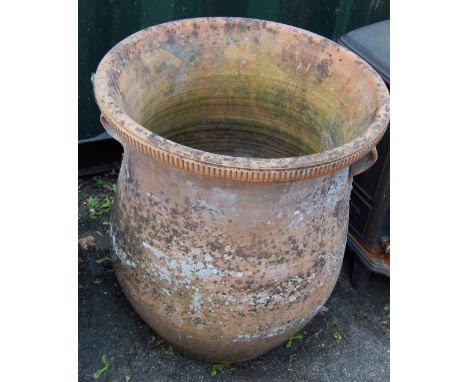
pixel 377 261
pixel 109 325
pixel 372 43
pixel 370 198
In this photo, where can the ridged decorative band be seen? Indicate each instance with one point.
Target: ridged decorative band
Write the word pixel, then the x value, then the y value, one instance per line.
pixel 274 175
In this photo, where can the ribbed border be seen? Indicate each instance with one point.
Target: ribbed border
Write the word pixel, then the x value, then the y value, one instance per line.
pixel 239 174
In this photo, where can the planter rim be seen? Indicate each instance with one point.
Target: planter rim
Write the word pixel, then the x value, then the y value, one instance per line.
pixel 231 167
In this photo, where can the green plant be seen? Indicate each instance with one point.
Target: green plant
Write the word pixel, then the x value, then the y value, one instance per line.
pixel 383 323
pixel 165 350
pixel 298 336
pixel 337 336
pixel 217 366
pixel 103 260
pixel 92 202
pixel 98 206
pixel 110 186
pixel 101 371
pixel 106 203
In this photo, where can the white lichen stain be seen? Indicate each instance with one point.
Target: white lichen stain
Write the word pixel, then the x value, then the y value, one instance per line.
pixel 195 306
pixel 165 291
pixel 223 195
pixel 169 268
pixel 280 329
pixel 297 287
pixel 277 273
pixel 297 219
pixel 260 299
pixel 127 173
pixel 124 257
pixel 186 269
pixel 207 208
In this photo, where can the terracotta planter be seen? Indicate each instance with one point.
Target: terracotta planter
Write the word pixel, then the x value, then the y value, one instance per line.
pixel 240 140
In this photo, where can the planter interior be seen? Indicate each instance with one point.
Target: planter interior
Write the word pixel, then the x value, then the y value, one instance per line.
pixel 245 89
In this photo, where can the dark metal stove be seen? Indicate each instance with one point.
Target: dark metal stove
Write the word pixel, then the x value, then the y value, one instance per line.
pixel 369 224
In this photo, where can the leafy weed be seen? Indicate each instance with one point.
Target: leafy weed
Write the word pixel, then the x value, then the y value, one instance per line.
pixel 298 336
pixel 97 206
pixel 103 260
pixel 101 371
pixel 217 366
pixel 337 336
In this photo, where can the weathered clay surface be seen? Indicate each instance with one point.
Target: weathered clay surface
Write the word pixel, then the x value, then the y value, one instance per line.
pixel 226 270
pixel 230 219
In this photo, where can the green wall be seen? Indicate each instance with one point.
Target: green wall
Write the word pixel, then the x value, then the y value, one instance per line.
pixel 103 23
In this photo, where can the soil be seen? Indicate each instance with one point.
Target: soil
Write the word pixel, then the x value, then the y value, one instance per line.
pixel 349 340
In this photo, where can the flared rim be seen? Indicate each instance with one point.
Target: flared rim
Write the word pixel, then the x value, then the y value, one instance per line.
pixel 231 167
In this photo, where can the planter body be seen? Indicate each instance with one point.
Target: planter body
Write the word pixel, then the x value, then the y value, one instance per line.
pixel 225 270
pixel 230 218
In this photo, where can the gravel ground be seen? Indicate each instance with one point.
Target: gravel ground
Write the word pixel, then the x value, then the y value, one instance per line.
pixel 349 340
